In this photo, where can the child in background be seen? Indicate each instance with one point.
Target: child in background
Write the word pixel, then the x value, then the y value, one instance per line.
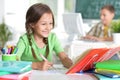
pixel 101 31
pixel 40 40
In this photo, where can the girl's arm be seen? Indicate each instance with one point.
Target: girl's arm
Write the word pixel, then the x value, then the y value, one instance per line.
pixel 66 61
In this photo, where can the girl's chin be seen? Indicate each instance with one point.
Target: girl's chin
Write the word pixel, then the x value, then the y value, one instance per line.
pixel 45 36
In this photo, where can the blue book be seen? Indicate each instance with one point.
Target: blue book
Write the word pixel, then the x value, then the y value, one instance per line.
pixel 101 77
pixel 15 66
pixel 111 75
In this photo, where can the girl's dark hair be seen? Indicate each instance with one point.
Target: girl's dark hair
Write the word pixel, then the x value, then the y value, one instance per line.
pixel 109 7
pixel 33 14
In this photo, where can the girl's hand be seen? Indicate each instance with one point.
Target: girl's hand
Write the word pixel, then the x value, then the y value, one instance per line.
pixel 43 65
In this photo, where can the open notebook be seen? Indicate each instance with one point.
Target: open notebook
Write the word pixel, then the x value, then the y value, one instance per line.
pixel 87 60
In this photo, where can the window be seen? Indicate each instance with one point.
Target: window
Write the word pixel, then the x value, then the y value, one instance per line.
pixel 70 5
pixel 51 3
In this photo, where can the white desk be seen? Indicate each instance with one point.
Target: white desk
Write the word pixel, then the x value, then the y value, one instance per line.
pixel 40 75
pixel 59 75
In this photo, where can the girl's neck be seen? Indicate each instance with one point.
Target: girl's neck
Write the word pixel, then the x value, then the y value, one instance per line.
pixel 39 41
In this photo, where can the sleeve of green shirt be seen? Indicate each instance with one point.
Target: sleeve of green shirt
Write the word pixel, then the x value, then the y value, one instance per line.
pixel 57 45
pixel 21 48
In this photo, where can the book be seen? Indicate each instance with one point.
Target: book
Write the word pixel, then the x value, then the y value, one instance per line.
pixel 110 53
pixel 111 75
pixel 107 71
pixel 4 73
pixel 91 57
pixel 107 74
pixel 15 76
pixel 15 66
pixel 101 77
pixel 87 60
pixel 108 64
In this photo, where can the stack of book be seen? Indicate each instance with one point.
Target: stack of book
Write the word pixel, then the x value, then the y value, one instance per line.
pixel 109 68
pixel 89 57
pixel 14 70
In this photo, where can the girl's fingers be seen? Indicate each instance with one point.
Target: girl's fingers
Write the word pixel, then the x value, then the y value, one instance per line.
pixel 47 65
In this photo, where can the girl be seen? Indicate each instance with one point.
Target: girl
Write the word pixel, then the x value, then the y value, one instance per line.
pixel 39 40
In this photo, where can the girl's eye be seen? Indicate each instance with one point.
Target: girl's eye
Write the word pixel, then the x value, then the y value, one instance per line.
pixel 51 23
pixel 43 23
pixel 46 23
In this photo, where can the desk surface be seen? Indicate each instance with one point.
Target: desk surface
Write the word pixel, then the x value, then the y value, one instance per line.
pixel 59 74
pixel 44 75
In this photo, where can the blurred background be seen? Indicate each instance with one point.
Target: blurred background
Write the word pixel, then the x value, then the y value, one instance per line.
pixel 12 13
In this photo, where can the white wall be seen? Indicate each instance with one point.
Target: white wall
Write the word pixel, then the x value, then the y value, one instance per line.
pixel 1 10
pixel 15 11
pixel 14 14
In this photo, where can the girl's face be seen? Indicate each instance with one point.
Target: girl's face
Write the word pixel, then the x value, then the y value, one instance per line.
pixel 106 16
pixel 43 27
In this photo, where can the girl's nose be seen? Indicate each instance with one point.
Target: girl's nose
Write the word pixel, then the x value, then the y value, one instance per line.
pixel 48 26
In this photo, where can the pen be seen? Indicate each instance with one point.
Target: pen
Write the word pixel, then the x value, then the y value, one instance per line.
pixel 3 50
pixel 9 51
pixel 15 50
pixel 45 59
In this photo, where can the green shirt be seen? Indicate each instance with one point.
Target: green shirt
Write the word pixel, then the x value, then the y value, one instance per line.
pixel 24 49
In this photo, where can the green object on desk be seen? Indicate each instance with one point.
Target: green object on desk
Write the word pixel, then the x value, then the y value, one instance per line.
pixel 4 73
pixel 9 57
pixel 107 71
pixel 109 64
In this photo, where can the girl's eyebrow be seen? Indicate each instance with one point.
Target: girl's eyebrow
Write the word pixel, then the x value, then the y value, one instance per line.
pixel 47 21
